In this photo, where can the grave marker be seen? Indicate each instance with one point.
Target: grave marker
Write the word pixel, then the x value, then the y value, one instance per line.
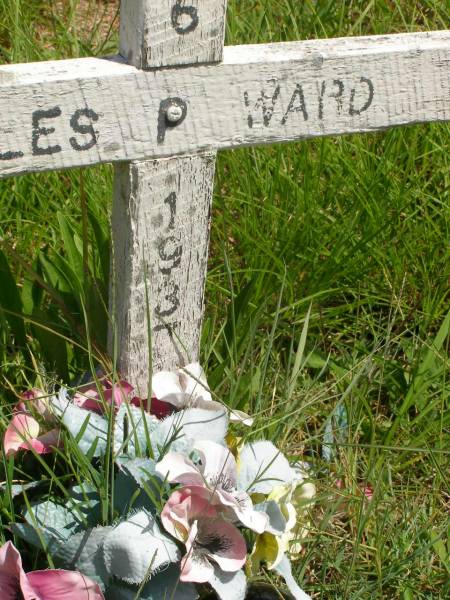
pixel 161 209
pixel 164 107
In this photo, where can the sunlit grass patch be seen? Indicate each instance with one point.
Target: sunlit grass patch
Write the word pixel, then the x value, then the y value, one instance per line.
pixel 327 301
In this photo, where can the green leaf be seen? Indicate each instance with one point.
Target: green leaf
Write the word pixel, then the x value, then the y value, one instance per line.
pixel 437 541
pixel 32 292
pixel 56 278
pixel 131 431
pixel 88 502
pixel 141 469
pixel 180 431
pixel 84 552
pixel 11 301
pixel 74 256
pixel 89 429
pixel 423 377
pixel 299 355
pixel 137 485
pixel 37 537
pixel 165 585
pixel 136 548
pixel 229 586
pixel 102 244
pixel 17 489
pixel 53 347
pixel 55 519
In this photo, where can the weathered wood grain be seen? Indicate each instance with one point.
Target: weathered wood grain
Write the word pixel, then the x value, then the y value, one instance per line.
pixel 161 219
pixel 161 209
pixel 74 113
pixel 172 32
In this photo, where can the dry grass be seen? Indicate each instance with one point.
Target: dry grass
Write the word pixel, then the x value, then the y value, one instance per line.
pixel 90 21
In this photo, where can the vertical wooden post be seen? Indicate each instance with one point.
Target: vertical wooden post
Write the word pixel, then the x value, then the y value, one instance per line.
pixel 161 208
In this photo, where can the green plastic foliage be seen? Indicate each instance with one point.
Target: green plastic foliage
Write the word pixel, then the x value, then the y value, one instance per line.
pixel 229 586
pixel 83 552
pixel 165 585
pixel 136 548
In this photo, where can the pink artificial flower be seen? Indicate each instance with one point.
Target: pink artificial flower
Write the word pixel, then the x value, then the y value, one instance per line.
pixel 191 518
pixel 22 433
pixel 368 492
pixel 158 408
pixel 216 471
pixel 89 398
pixel 35 401
pixel 52 584
pixel 188 388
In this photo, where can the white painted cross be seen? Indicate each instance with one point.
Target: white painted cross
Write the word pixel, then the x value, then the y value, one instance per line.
pixel 164 107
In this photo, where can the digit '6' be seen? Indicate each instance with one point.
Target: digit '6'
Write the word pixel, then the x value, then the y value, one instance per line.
pixel 178 10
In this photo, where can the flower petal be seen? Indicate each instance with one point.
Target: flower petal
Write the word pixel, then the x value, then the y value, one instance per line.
pixel 118 393
pixel 304 494
pixel 284 569
pixel 262 467
pixel 35 400
pixel 177 468
pixel 266 550
pixel 89 400
pixel 195 565
pixel 277 522
pixel 239 416
pixel 218 465
pixel 10 570
pixel 193 381
pixel 158 408
pixel 196 568
pixel 223 542
pixel 240 506
pixel 166 386
pixel 183 507
pixel 47 442
pixel 57 584
pixel 23 427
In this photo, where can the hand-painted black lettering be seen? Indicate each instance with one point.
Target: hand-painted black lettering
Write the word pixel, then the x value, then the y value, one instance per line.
pixel 299 98
pixel 171 200
pixel 323 87
pixel 10 155
pixel 173 298
pixel 84 129
pixel 166 255
pixel 357 111
pixel 163 122
pixel 338 94
pixel 179 10
pixel 39 131
pixel 265 102
pixel 169 327
pixel 247 104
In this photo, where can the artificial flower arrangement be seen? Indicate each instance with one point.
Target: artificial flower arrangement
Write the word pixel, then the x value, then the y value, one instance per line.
pixel 191 510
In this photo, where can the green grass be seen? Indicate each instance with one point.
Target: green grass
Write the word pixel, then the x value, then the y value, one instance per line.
pixel 357 228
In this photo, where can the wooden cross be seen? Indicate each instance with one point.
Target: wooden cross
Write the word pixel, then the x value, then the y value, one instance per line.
pixel 161 110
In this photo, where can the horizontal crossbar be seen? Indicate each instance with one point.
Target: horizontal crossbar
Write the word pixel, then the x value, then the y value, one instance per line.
pixel 71 113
